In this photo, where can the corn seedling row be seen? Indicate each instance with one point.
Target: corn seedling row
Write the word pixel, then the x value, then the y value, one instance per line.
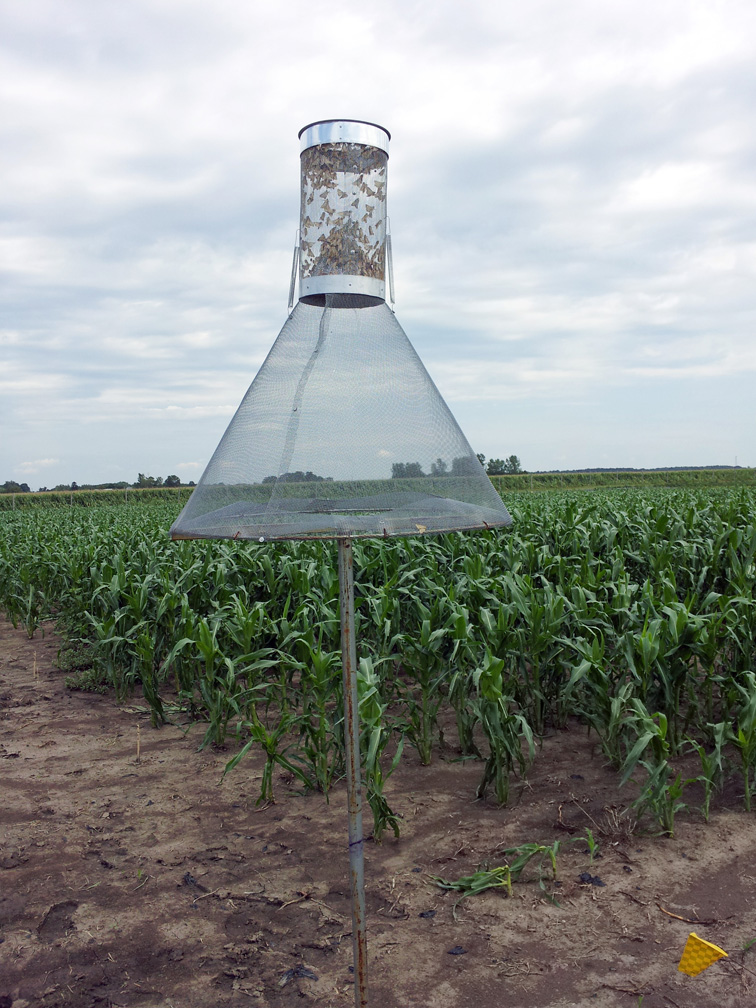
pixel 630 611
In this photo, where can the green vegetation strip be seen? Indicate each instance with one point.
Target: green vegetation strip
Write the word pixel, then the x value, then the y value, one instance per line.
pixel 630 611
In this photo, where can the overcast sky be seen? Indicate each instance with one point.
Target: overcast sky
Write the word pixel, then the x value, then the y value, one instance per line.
pixel 571 193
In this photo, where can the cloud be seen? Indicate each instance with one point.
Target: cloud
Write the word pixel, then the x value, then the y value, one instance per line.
pixel 571 195
pixel 31 468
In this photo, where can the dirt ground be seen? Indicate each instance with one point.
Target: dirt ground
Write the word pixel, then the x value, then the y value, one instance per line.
pixel 128 882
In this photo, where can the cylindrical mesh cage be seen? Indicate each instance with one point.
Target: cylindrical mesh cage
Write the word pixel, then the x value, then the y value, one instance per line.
pixel 343 210
pixel 342 433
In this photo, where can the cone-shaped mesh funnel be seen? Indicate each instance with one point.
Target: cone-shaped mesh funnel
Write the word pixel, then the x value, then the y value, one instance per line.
pixel 341 433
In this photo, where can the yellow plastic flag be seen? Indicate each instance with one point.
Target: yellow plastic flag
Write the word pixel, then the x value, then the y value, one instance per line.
pixel 698 955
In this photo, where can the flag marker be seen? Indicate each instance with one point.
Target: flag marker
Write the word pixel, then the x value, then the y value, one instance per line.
pixel 698 955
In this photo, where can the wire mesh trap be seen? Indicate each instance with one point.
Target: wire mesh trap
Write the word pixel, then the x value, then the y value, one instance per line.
pixel 342 432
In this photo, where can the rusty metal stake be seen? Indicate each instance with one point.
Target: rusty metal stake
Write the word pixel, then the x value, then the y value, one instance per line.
pixel 354 785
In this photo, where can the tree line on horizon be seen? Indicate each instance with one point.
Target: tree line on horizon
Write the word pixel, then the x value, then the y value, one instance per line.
pixel 399 470
pixel 460 467
pixel 143 481
pixel 406 470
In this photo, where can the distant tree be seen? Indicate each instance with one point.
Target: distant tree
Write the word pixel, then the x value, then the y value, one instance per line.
pixel 406 470
pixel 439 468
pixel 504 467
pixel 172 481
pixel 74 485
pixel 100 486
pixel 10 486
pixel 298 477
pixel 148 481
pixel 481 458
pixel 191 483
pixel 466 465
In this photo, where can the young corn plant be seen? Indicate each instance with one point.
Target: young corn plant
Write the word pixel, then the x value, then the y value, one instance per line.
pixel 660 791
pixel 502 876
pixel 223 698
pixel 460 690
pixel 680 633
pixel 111 656
pixel 422 656
pixel 31 604
pixel 144 653
pixel 504 728
pixel 744 734
pixel 375 736
pixel 383 616
pixel 641 652
pixel 593 845
pixel 495 631
pixel 703 690
pixel 480 881
pixel 658 588
pixel 712 763
pixel 276 751
pixel 249 627
pixel 222 694
pixel 184 666
pixel 536 644
pixel 592 694
pixel 519 857
pixel 458 686
pixel 321 722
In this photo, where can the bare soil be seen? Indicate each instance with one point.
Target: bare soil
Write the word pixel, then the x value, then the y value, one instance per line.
pixel 146 882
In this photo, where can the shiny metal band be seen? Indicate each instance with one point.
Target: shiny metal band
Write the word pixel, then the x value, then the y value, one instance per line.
pixel 343 283
pixel 345 131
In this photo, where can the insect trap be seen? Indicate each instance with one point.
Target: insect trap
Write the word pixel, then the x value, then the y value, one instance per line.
pixel 342 434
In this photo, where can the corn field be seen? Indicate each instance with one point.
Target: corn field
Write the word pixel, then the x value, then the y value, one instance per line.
pixel 629 612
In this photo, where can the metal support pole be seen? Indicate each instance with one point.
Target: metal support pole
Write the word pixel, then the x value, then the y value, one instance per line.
pixel 354 785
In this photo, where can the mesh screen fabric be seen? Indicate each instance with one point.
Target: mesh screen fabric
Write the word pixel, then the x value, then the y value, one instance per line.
pixel 349 236
pixel 342 433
